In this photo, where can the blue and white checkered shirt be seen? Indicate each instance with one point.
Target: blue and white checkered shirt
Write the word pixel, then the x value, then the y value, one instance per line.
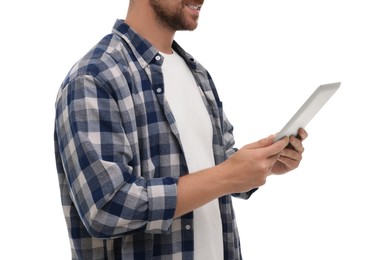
pixel 119 157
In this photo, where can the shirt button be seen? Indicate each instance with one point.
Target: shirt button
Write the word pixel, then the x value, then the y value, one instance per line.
pixel 159 90
pixel 158 58
pixel 187 227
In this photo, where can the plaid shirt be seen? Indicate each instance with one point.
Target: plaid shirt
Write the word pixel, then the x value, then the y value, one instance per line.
pixel 119 156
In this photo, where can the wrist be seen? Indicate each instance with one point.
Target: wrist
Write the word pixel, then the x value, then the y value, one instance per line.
pixel 225 185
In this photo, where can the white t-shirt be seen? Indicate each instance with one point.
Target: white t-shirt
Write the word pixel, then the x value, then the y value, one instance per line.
pixel 196 135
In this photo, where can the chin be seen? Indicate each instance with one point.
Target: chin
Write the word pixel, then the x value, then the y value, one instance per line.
pixel 192 28
pixel 191 25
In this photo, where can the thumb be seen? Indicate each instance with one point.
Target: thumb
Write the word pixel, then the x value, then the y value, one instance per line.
pixel 261 143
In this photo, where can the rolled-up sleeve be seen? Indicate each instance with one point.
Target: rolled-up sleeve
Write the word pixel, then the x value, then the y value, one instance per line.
pixel 105 184
pixel 162 203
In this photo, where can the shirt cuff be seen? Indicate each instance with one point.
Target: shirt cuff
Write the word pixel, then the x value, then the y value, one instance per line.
pixel 162 197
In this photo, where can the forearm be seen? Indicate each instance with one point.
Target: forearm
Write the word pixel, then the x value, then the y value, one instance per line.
pixel 244 171
pixel 197 189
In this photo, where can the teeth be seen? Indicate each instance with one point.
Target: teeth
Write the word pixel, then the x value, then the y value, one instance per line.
pixel 194 7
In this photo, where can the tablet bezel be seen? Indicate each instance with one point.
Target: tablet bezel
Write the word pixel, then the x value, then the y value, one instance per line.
pixel 308 110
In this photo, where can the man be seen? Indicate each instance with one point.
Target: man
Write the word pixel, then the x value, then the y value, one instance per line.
pixel 144 152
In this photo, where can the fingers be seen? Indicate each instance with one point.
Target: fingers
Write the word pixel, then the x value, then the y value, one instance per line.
pixel 273 159
pixel 290 155
pixel 296 141
pixel 296 144
pixel 261 143
pixel 294 150
pixel 288 162
pixel 263 154
pixel 302 134
pixel 269 142
pixel 277 147
pixel 266 157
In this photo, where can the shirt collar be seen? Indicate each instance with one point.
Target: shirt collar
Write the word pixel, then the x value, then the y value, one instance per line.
pixel 143 50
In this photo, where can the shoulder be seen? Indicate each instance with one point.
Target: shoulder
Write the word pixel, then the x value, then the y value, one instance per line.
pixel 105 62
pixel 105 55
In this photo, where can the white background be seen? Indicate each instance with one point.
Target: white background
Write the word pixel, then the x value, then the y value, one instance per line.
pixel 266 58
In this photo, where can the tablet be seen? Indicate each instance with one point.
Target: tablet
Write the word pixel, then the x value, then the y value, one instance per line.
pixel 308 110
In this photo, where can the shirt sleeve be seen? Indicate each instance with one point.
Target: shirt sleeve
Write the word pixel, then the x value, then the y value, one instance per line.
pixel 100 165
pixel 228 137
pixel 230 150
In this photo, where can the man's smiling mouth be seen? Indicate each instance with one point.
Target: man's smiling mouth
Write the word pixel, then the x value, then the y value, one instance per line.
pixel 194 7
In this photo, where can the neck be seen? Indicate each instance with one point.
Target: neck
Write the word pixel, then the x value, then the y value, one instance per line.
pixel 141 18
